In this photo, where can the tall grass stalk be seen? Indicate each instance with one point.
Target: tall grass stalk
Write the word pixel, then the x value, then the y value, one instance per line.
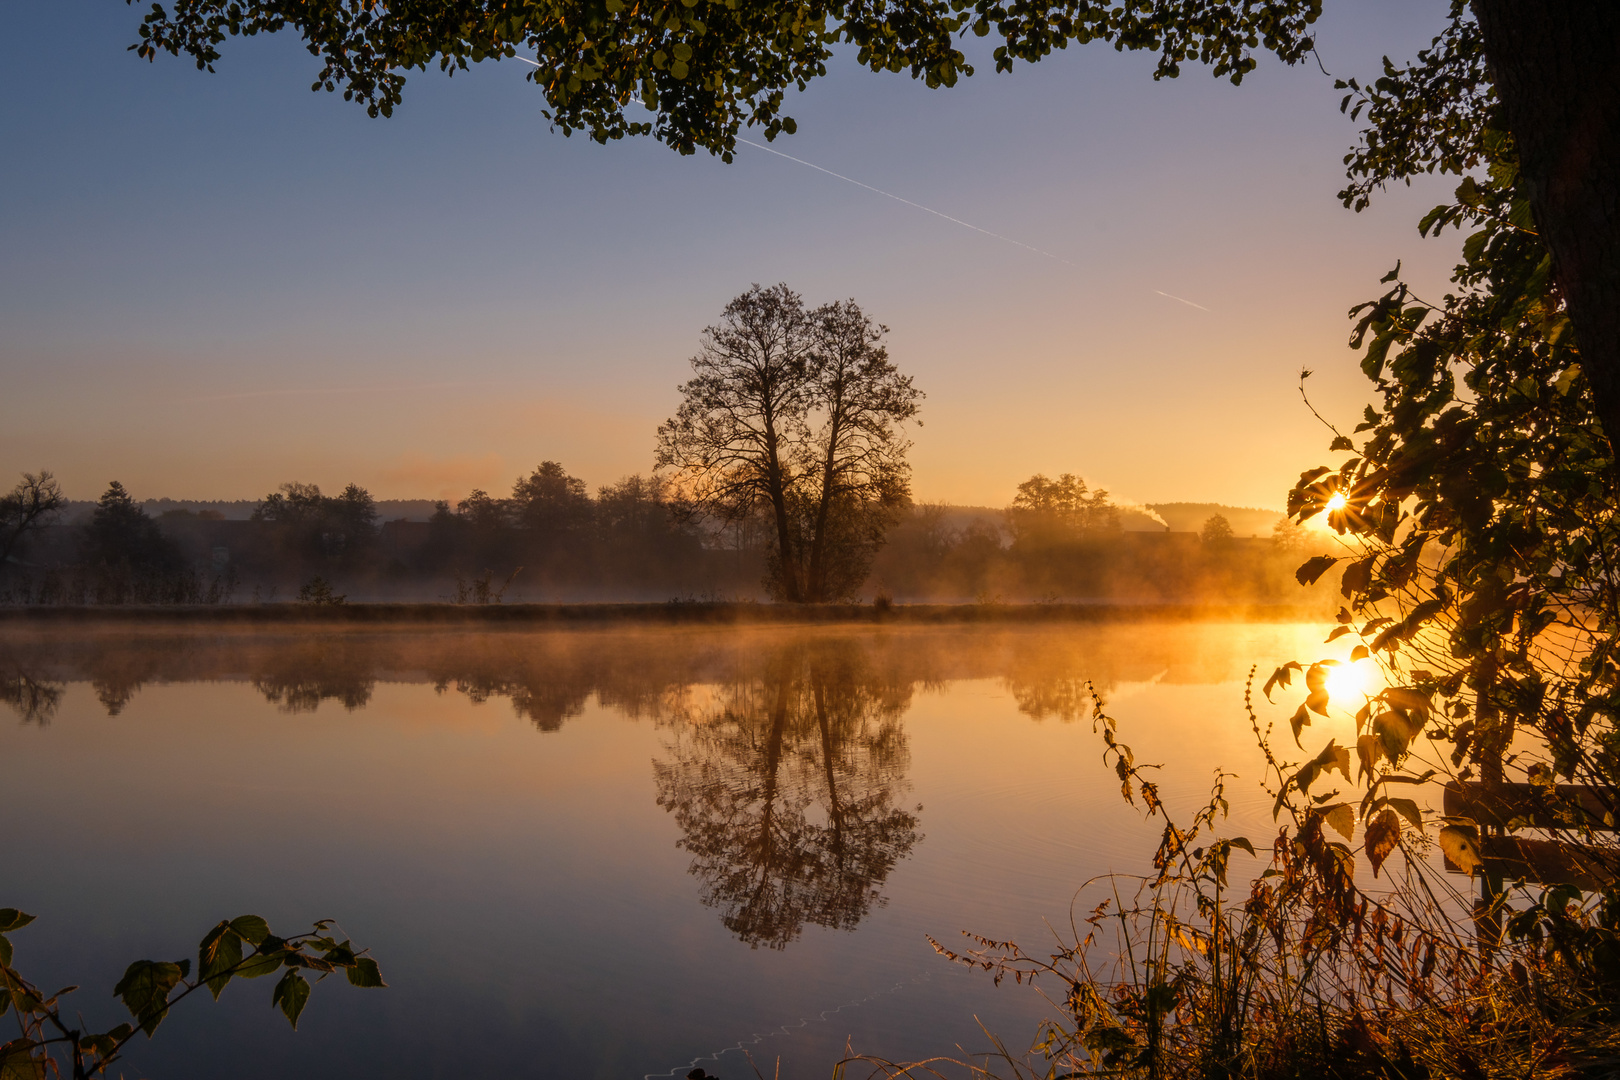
pixel 1292 967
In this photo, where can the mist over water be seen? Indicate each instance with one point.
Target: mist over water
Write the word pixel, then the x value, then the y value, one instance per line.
pixel 606 852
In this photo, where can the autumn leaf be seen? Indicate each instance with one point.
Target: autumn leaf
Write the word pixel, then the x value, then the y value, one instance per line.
pixel 1383 836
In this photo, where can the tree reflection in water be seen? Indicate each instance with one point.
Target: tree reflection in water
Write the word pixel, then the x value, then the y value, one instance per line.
pixel 785 791
pixel 35 699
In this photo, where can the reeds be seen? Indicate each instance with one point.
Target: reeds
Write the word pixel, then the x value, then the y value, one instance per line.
pixel 1293 969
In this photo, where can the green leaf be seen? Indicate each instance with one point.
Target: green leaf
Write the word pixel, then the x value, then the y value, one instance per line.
pixel 12 919
pixel 291 994
pixel 5 951
pixel 217 958
pixel 19 1061
pixel 145 990
pixel 1567 379
pixel 261 964
pixel 366 974
pixel 252 928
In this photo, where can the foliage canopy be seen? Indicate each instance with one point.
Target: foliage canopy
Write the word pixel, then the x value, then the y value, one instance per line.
pixel 708 67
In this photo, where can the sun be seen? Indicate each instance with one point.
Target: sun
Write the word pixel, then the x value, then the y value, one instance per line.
pixel 1337 502
pixel 1345 680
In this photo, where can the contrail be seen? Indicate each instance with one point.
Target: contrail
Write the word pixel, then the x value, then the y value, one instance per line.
pixel 908 202
pixel 1178 299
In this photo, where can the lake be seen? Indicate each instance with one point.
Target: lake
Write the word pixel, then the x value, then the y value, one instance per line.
pixel 612 852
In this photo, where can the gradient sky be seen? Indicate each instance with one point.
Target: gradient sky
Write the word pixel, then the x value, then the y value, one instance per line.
pixel 211 284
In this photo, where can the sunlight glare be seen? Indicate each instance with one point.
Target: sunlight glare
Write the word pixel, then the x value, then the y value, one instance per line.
pixel 1345 681
pixel 1337 502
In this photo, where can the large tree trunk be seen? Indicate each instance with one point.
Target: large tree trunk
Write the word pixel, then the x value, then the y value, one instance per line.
pixel 816 586
pixel 1556 67
pixel 776 480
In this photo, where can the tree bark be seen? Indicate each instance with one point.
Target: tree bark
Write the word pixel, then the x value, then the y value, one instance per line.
pixel 1556 68
pixel 777 482
pixel 816 587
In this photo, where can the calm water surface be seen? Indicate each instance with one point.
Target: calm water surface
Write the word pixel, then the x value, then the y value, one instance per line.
pixel 599 853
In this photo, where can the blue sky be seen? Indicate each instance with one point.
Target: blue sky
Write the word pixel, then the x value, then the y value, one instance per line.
pixel 210 284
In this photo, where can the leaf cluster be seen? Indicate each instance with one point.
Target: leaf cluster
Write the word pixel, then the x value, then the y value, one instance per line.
pixel 707 68
pixel 240 948
pixel 1477 509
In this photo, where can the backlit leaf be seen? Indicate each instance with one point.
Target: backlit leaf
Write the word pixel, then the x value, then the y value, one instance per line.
pixel 12 919
pixel 1343 819
pixel 1299 722
pixel 1383 836
pixel 1367 749
pixel 1461 845
pixel 1408 810
pixel 1313 568
pixel 145 991
pixel 252 928
pixel 291 994
pixel 1281 677
pixel 365 972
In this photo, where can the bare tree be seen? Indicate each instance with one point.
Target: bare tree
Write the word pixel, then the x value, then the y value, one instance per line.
pixel 797 414
pixel 860 476
pixel 30 506
pixel 742 416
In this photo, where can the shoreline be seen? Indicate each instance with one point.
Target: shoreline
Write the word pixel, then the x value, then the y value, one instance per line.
pixel 740 614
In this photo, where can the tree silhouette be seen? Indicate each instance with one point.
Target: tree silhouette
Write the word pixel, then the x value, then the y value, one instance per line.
pixel 1217 531
pixel 36 699
pixel 120 533
pixel 741 416
pixel 858 470
pixel 796 415
pixel 1046 511
pixel 785 795
pixel 30 506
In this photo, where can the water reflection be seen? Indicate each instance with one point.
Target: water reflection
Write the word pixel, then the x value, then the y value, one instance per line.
pixel 784 788
pixel 35 699
pixel 550 677
pixel 785 759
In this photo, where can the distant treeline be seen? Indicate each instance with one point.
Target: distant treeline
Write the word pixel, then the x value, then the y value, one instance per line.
pixel 552 539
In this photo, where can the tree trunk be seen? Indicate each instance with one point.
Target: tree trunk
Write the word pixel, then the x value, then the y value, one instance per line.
pixel 1556 68
pixel 791 591
pixel 816 587
pixel 835 811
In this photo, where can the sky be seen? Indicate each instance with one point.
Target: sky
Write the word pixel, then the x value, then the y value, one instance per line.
pixel 211 284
